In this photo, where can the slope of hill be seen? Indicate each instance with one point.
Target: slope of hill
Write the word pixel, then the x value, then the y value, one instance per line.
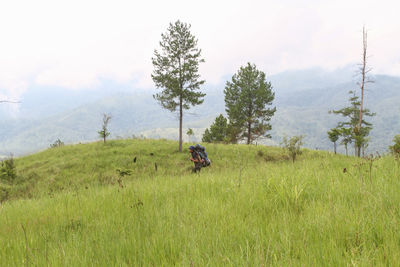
pixel 251 207
pixel 303 99
pixel 94 164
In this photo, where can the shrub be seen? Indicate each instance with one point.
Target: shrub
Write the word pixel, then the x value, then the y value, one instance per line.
pixel 395 149
pixel 8 171
pixel 293 145
pixel 57 143
pixel 4 194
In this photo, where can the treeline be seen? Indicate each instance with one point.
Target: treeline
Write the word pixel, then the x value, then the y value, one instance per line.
pixel 248 95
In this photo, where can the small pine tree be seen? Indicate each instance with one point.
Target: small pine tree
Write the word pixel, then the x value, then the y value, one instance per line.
pixel 351 128
pixel 206 136
pixel 218 130
pixel 333 135
pixel 104 133
pixel 293 145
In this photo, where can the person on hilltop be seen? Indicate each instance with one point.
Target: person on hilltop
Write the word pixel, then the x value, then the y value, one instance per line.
pixel 195 158
pixel 198 157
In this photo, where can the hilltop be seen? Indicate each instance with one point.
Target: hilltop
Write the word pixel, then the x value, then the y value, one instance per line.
pixel 96 164
pixel 253 206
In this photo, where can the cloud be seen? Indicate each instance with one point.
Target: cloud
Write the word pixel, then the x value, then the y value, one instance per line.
pixel 75 44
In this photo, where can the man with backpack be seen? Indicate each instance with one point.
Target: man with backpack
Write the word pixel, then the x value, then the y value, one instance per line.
pixel 196 158
pixel 199 157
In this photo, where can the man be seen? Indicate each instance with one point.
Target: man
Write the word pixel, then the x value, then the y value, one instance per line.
pixel 197 160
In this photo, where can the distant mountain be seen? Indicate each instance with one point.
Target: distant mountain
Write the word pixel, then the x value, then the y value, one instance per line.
pixel 307 112
pixel 303 99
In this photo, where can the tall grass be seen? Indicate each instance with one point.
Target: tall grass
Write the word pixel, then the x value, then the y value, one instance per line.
pixel 250 208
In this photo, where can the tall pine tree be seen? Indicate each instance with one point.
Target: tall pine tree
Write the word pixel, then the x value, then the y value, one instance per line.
pixel 247 98
pixel 176 71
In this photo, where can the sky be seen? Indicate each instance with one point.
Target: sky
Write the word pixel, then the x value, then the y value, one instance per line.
pixel 76 44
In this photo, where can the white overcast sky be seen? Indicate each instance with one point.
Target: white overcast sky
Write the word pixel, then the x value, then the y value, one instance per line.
pixel 76 43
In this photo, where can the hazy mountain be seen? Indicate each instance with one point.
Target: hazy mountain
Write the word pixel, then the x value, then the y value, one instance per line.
pixel 303 99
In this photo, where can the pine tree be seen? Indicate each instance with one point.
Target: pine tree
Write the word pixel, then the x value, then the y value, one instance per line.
pixel 247 98
pixel 218 130
pixel 334 135
pixel 176 68
pixel 359 136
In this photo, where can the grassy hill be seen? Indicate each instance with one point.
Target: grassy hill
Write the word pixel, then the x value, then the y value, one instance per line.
pixel 70 207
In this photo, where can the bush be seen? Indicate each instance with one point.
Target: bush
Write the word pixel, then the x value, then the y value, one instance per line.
pixel 4 194
pixel 57 143
pixel 8 171
pixel 395 149
pixel 293 145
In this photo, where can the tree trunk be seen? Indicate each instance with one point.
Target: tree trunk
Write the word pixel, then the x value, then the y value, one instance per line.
pixel 104 137
pixel 345 146
pixel 180 123
pixel 249 134
pixel 362 86
pixel 334 146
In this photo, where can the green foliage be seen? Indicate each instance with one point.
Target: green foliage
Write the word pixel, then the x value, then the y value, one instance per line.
pixel 395 148
pixel 57 143
pixel 347 137
pixel 190 133
pixel 247 96
pixel 350 129
pixel 333 135
pixel 293 145
pixel 206 136
pixel 176 71
pixel 218 130
pixel 8 171
pixel 104 133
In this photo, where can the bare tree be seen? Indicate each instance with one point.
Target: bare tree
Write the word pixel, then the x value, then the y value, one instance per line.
pixel 363 72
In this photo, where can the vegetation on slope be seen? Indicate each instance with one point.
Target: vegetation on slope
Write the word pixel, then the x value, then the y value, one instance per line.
pixel 244 210
pixel 86 165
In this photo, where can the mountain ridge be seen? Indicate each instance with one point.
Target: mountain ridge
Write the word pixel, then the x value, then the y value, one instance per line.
pixel 301 109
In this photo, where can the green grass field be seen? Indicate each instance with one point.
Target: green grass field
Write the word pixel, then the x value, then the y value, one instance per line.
pixel 252 207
